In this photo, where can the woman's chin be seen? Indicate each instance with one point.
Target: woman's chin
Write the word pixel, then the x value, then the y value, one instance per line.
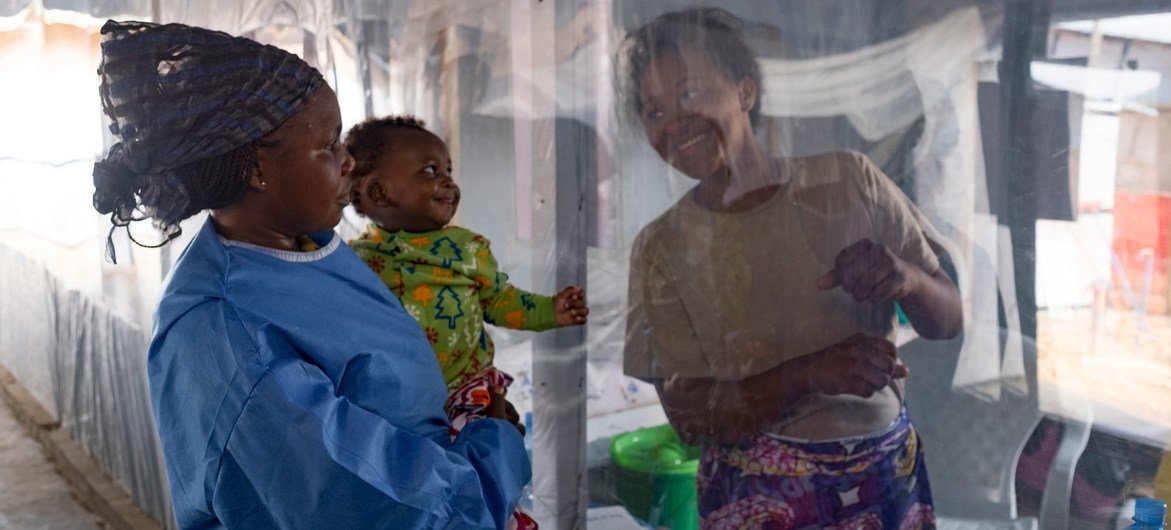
pixel 695 171
pixel 331 223
pixel 697 165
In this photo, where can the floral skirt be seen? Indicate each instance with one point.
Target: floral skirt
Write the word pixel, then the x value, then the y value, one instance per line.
pixel 771 482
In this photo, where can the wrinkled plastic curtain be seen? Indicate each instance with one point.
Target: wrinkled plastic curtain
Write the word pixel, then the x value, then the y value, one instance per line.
pixel 561 179
pixel 60 333
pixel 88 368
pixel 102 397
pixel 490 78
pixel 896 81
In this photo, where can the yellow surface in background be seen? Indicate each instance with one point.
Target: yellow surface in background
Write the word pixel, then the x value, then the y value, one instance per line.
pixel 1163 478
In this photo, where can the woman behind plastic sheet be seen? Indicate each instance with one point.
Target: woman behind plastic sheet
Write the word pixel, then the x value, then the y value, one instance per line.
pixel 290 388
pixel 762 304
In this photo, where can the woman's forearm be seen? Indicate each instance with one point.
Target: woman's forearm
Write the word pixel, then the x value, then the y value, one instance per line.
pixel 706 411
pixel 933 307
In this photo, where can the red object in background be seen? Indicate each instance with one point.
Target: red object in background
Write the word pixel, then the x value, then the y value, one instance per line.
pixel 1143 221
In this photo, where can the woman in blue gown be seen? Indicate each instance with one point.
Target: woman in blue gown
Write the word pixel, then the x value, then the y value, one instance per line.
pixel 290 388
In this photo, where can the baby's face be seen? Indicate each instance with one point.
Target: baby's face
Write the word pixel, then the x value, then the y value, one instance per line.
pixel 416 175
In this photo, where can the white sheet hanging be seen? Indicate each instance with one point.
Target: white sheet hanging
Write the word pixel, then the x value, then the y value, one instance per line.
pixel 876 87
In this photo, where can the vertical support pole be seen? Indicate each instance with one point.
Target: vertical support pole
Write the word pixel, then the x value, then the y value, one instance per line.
pixel 450 104
pixel 559 165
pixel 362 50
pixel 1026 27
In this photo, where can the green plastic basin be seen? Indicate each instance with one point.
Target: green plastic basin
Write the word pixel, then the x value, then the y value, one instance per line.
pixel 655 476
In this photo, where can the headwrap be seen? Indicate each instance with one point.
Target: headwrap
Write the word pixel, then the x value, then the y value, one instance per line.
pixel 179 94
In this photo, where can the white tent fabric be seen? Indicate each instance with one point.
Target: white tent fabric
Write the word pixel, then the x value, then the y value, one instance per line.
pixel 1101 84
pixel 877 87
pixel 498 79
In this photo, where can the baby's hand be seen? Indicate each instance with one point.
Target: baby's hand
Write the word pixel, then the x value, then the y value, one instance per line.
pixel 569 306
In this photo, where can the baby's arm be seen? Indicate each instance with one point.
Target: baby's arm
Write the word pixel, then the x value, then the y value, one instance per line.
pixel 505 305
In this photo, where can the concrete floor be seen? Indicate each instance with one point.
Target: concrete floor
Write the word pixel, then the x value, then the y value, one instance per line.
pixel 32 495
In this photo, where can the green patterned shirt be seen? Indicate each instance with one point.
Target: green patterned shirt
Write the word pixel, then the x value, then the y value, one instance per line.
pixel 449 281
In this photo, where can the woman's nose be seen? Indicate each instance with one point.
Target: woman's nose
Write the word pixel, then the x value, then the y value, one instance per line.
pixel 347 162
pixel 675 119
pixel 670 126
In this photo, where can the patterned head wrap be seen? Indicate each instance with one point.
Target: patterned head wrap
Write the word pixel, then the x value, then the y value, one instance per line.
pixel 180 95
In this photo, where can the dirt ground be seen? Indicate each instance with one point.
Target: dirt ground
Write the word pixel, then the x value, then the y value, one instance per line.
pixel 32 495
pixel 1115 359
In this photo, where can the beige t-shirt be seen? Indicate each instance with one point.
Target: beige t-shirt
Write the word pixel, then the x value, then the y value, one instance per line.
pixel 703 283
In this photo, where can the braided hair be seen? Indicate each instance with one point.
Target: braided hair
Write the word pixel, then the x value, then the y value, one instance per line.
pixel 190 108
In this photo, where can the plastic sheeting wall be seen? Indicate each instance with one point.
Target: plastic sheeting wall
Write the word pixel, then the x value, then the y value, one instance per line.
pixel 560 179
pixel 88 367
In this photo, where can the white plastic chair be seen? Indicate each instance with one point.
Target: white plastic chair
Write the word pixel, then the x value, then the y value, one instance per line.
pixel 972 442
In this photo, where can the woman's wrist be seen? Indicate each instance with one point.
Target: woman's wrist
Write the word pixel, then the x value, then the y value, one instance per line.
pixel 802 375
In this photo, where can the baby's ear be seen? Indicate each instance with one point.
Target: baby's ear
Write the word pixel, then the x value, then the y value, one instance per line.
pixel 377 193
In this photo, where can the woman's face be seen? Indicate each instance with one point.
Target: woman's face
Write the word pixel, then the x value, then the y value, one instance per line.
pixel 693 115
pixel 305 168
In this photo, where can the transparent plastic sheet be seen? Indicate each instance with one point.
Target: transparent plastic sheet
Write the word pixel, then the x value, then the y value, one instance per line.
pixel 506 87
pixel 899 88
pixel 102 397
pixel 60 334
pixel 843 78
pixel 523 93
pixel 489 78
pixel 88 368
pixel 28 333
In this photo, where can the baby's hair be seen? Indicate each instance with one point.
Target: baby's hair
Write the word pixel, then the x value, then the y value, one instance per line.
pixel 367 141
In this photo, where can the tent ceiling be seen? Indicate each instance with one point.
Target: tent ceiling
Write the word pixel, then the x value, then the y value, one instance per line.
pixel 1061 10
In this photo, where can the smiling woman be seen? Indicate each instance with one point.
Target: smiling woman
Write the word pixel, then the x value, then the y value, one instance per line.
pixel 762 304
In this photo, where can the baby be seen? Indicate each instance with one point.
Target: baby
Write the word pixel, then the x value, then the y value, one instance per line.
pixel 445 276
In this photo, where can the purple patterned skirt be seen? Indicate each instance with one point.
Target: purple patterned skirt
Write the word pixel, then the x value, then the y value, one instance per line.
pixel 770 482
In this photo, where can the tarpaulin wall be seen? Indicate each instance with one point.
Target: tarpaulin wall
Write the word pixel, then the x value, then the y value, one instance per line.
pixel 87 366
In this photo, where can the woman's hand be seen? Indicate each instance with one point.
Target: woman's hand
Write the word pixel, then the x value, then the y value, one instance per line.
pixel 569 306
pixel 708 411
pixel 860 365
pixel 870 272
pixel 501 409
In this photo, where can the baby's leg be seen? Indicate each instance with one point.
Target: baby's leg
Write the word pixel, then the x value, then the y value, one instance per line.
pixel 470 401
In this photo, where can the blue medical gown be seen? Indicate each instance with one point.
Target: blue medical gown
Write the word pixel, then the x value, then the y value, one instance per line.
pixel 291 390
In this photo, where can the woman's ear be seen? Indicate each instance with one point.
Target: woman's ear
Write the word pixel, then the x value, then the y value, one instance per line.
pixel 256 176
pixel 748 94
